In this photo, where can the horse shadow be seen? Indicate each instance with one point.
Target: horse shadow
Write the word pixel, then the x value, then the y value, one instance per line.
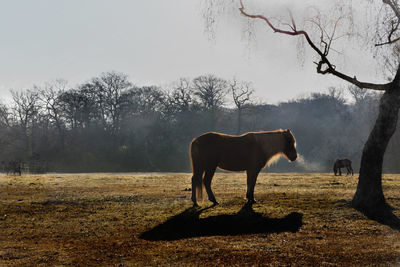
pixel 188 224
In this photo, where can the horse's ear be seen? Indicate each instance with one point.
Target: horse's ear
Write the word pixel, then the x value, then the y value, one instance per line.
pixel 287 130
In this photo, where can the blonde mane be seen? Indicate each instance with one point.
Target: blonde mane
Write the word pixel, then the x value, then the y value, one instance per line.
pixel 271 142
pixel 274 159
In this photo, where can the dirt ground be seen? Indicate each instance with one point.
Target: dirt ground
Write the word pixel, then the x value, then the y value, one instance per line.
pixel 146 220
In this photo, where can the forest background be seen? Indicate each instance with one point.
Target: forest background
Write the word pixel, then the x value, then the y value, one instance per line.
pixel 107 124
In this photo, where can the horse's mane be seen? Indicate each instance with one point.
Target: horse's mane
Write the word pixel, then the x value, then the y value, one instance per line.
pixel 265 132
pixel 246 133
pixel 288 136
pixel 274 159
pixel 292 137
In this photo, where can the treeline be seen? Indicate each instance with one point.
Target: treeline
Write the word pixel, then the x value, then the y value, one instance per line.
pixel 109 124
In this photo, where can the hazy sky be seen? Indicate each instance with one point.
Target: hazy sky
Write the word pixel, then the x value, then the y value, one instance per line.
pixel 155 42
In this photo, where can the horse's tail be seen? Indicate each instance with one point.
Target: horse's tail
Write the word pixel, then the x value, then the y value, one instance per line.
pixel 351 168
pixel 197 178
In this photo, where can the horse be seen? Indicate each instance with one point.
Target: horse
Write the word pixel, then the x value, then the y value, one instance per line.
pixel 342 163
pixel 249 152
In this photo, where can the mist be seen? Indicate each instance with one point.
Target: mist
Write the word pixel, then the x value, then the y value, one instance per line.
pixel 109 124
pixel 307 166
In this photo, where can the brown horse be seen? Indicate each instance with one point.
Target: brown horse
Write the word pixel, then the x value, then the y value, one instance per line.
pixel 342 163
pixel 249 152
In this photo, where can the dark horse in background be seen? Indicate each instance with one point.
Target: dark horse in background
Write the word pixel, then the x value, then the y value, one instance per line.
pixel 249 152
pixel 342 163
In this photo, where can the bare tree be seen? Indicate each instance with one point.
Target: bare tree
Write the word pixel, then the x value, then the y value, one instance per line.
pixel 241 94
pixel 321 37
pixel 181 96
pixel 143 101
pixel 5 125
pixel 337 94
pixel 26 110
pixel 49 96
pixel 357 93
pixel 76 108
pixel 211 92
pixel 360 95
pixel 4 116
pixel 109 87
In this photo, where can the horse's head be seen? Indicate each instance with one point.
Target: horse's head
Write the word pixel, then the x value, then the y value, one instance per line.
pixel 289 149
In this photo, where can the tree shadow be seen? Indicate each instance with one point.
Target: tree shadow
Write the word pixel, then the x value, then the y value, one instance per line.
pixel 188 224
pixel 382 214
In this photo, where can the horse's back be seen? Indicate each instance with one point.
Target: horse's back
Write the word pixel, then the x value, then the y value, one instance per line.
pixel 225 151
pixel 342 162
pixel 216 142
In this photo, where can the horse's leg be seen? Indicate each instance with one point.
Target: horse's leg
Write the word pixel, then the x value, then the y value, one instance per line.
pixel 197 184
pixel 340 171
pixel 207 184
pixel 251 182
pixel 351 169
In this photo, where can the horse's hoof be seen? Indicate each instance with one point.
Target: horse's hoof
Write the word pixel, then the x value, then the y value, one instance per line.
pixel 215 203
pixel 195 205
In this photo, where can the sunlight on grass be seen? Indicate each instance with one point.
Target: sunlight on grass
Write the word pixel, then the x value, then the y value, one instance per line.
pixel 98 219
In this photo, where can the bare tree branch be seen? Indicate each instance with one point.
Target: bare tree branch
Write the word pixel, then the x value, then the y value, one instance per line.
pixel 394 23
pixel 393 6
pixel 241 92
pixel 388 42
pixel 324 66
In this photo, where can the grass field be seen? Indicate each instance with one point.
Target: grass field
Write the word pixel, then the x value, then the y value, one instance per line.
pixel 146 220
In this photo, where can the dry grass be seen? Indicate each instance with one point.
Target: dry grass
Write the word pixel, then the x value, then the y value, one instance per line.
pixel 99 219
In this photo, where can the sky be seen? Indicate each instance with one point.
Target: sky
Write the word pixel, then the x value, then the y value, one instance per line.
pixel 154 42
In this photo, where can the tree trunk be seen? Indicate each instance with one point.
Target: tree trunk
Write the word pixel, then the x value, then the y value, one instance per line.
pixel 239 127
pixel 369 196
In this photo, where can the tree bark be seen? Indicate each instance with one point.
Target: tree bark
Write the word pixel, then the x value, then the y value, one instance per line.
pixel 369 196
pixel 239 127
